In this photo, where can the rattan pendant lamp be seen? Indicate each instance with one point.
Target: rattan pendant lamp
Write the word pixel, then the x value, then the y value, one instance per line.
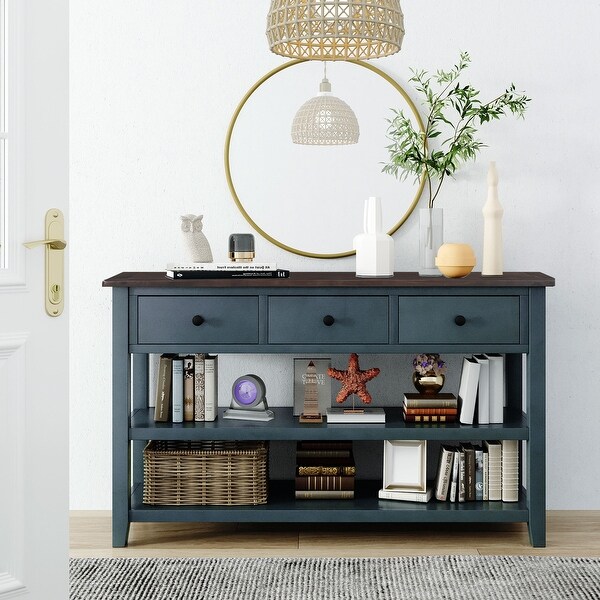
pixel 335 29
pixel 325 120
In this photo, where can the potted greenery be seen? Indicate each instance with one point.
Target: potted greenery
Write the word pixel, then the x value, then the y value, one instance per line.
pixel 447 140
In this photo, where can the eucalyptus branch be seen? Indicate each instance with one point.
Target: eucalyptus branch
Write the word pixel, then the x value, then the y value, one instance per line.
pixel 454 108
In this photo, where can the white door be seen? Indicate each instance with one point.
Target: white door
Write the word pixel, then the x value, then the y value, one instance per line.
pixel 33 345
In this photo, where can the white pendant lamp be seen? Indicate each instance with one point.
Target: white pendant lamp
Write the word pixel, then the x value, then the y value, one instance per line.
pixel 335 29
pixel 325 120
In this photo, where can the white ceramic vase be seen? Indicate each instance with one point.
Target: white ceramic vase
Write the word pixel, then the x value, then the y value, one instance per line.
pixel 431 237
pixel 493 256
pixel 374 249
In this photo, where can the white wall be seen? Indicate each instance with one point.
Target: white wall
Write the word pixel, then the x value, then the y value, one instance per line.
pixel 153 86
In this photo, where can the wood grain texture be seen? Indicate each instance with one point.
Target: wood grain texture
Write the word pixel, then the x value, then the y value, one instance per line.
pixel 570 533
pixel 333 279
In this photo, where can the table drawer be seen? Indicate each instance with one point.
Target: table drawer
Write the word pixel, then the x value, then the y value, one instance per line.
pixel 437 319
pixel 198 319
pixel 352 320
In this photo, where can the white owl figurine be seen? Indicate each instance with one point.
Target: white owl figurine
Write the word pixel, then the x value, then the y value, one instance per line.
pixel 195 240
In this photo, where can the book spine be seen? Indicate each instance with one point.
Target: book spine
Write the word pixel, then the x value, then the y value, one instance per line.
pixel 467 392
pixel 177 398
pixel 303 470
pixel 210 386
pixel 469 474
pixel 153 369
pixel 478 474
pixel 278 273
pixel 461 477
pixel 323 453
pixel 407 496
pixel 163 390
pixel 494 470
pixel 486 466
pixel 324 446
pixel 325 483
pixel 223 266
pixel 199 388
pixel 188 388
pixel 324 495
pixel 430 418
pixel 429 403
pixel 430 411
pixel 454 482
pixel 510 470
pixel 496 411
pixel 443 474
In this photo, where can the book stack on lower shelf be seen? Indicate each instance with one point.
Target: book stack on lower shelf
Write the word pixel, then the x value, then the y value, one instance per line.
pixel 470 472
pixel 430 408
pixel 324 470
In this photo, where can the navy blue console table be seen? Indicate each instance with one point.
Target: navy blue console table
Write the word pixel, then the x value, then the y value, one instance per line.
pixel 403 314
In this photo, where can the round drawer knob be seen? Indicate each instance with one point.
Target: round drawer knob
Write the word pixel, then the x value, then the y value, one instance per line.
pixel 460 320
pixel 197 320
pixel 328 320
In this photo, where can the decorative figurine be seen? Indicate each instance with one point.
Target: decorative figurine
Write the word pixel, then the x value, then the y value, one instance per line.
pixel 311 412
pixel 354 381
pixel 196 241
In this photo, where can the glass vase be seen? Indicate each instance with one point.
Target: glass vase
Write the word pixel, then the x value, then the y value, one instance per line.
pixel 431 237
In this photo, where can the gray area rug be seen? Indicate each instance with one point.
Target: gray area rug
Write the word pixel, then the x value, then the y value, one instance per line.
pixel 410 578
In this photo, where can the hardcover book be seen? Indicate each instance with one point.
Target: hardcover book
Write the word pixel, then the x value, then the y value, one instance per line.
pixel 210 387
pixel 496 387
pixel 430 418
pixel 454 481
pixel 177 391
pixel 483 389
pixel 467 392
pixel 325 482
pixel 163 389
pixel 324 495
pixel 223 266
pixel 469 452
pixel 494 450
pixel 199 387
pixel 406 496
pixel 325 466
pixel 188 388
pixel 429 401
pixel 302 378
pixel 444 472
pixel 153 365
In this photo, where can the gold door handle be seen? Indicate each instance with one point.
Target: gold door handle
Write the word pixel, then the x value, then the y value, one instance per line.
pixel 54 244
pixel 55 261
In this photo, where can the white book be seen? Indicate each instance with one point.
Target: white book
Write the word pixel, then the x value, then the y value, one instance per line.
pixel 497 390
pixel 177 394
pixel 483 389
pixel 442 480
pixel 153 362
pixel 467 391
pixel 510 470
pixel 406 496
pixel 210 388
pixel 222 266
pixel 454 481
pixel 494 450
pixel 370 415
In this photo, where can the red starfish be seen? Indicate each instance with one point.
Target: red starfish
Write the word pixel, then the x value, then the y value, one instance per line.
pixel 354 381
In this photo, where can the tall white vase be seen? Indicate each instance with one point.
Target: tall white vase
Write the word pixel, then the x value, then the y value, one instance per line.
pixel 493 256
pixel 374 249
pixel 431 237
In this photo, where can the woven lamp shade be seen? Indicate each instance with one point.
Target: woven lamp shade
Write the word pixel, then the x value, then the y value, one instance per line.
pixel 325 120
pixel 335 29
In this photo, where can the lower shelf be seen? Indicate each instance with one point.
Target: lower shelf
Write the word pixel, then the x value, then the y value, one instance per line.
pixel 364 508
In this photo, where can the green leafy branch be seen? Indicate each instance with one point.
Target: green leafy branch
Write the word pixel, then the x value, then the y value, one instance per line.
pixel 455 111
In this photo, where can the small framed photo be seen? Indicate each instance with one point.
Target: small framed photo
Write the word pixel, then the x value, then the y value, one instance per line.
pixel 405 465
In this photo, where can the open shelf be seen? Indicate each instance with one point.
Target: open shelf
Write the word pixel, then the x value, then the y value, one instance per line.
pixel 286 427
pixel 364 508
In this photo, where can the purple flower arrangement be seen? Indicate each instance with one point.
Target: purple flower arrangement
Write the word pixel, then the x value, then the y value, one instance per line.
pixel 425 364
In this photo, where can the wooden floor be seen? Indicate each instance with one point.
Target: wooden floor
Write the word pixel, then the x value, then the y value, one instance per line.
pixel 570 533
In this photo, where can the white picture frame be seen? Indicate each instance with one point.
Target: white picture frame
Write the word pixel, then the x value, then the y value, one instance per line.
pixel 405 465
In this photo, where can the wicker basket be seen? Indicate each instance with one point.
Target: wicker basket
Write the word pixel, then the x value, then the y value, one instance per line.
pixel 203 473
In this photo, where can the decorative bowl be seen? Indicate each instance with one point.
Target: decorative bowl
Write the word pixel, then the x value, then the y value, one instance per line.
pixel 455 260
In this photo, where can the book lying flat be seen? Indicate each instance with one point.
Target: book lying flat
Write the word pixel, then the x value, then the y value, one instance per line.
pixel 173 274
pixel 406 496
pixel 370 415
pixel 222 266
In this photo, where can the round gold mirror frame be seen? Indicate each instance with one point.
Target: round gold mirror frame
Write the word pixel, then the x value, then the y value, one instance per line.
pixel 233 191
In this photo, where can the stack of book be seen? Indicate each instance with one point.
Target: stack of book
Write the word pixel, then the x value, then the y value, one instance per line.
pixel 469 472
pixel 428 408
pixel 324 470
pixel 224 270
pixel 183 387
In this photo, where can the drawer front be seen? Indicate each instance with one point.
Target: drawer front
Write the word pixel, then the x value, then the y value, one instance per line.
pixel 302 320
pixel 221 320
pixel 436 319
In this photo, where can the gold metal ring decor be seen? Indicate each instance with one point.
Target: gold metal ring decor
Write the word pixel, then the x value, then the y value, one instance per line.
pixel 280 212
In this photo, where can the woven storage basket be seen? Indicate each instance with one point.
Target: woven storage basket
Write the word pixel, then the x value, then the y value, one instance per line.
pixel 202 473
